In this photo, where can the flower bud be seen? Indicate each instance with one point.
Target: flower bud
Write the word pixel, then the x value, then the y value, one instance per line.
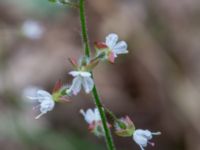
pixel 124 127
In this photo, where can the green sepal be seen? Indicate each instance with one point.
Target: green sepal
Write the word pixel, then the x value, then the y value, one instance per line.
pixel 98 131
pixel 121 124
pixel 60 93
pixel 92 65
pixel 124 127
pixel 125 132
pixel 101 54
pixel 56 96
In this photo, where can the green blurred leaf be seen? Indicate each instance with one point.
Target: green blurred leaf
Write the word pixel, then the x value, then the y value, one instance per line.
pixel 52 1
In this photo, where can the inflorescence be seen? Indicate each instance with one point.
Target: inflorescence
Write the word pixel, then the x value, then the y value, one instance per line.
pixel 82 79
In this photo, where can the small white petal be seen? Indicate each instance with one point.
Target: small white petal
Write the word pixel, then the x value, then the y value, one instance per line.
pixel 81 73
pixel 43 95
pixel 74 73
pixel 30 93
pixel 139 138
pixel 88 84
pixel 147 134
pixel 89 116
pixel 85 74
pixel 120 48
pixel 37 94
pixel 46 106
pixel 97 115
pixel 76 85
pixel 111 40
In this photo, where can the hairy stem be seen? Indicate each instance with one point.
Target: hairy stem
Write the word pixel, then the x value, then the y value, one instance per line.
pixel 84 28
pixel 108 136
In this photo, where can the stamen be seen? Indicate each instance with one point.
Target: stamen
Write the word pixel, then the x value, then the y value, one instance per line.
pixel 32 98
pixel 151 143
pixel 141 147
pixel 39 115
pixel 156 133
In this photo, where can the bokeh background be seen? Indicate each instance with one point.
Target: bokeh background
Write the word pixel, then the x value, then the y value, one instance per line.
pixel 157 84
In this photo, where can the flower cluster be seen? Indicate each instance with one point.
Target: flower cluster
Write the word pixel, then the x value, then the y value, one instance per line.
pixel 82 76
pixel 83 79
pixel 124 127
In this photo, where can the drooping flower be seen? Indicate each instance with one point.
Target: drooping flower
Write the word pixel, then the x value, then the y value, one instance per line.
pixel 142 137
pixel 32 29
pixel 92 117
pixel 45 99
pixel 111 47
pixel 81 78
pixel 124 127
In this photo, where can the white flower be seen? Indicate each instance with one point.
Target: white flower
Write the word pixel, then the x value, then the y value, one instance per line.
pixel 142 137
pixel 116 47
pixel 46 102
pixel 91 116
pixel 81 78
pixel 32 29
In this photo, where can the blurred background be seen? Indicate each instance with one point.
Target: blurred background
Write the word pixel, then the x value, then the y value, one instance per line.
pixel 157 84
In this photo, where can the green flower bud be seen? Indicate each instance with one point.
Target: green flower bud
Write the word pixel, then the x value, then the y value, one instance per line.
pixel 124 127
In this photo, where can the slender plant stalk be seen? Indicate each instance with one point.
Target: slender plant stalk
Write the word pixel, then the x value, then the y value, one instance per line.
pixel 84 28
pixel 108 136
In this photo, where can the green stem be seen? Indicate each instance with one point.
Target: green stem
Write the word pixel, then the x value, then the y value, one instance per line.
pixel 108 136
pixel 84 28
